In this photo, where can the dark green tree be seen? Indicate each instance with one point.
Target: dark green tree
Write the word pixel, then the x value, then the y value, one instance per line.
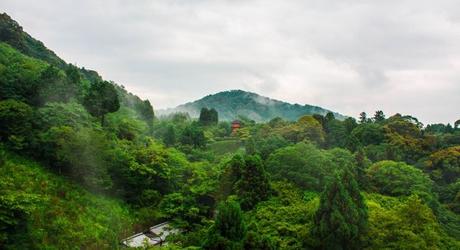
pixel 352 187
pixel 362 163
pixel 214 116
pixel 145 111
pixel 229 228
pixel 336 134
pixel 256 241
pixel 350 124
pixel 208 116
pixel 102 98
pixel 457 124
pixel 73 73
pixel 59 87
pixel 19 76
pixel 170 136
pixel 193 135
pixel 15 122
pixel 328 120
pixel 230 175
pixel 229 221
pixel 363 117
pixel 379 116
pixel 329 116
pixel 341 218
pixel 369 133
pixel 449 128
pixel 204 115
pixel 250 146
pixel 319 118
pixel 253 185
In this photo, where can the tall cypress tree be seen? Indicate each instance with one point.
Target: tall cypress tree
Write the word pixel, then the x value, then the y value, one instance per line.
pixel 361 165
pixel 342 215
pixel 170 136
pixel 204 116
pixel 208 116
pixel 253 185
pixel 352 187
pixel 214 116
pixel 229 228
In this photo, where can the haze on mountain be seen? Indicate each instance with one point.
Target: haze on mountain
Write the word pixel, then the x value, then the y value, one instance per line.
pixel 349 56
pixel 233 104
pixel 84 164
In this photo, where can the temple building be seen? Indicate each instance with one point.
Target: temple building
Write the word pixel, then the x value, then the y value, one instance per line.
pixel 236 124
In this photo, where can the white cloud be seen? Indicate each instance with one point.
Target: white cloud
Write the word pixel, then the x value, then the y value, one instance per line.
pixel 348 56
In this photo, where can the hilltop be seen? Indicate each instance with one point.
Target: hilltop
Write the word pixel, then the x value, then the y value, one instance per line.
pixel 234 103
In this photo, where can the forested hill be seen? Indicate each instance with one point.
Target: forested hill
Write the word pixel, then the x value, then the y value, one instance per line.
pixel 63 130
pixel 48 65
pixel 234 103
pixel 84 164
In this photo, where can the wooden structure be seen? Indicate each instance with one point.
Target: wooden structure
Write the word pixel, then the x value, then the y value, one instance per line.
pixel 236 124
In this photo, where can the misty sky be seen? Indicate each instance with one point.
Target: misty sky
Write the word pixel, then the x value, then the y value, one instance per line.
pixel 347 56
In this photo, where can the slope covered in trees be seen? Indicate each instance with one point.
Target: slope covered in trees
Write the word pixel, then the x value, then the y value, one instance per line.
pixel 235 103
pixel 41 210
pixel 84 163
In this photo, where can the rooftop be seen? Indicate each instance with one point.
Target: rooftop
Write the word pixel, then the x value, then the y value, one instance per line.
pixel 155 235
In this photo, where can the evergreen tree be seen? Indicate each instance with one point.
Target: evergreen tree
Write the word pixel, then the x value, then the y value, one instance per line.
pixel 329 116
pixel 350 124
pixel 352 187
pixel 230 175
pixel 102 98
pixel 170 136
pixel 145 110
pixel 73 73
pixel 321 119
pixel 193 135
pixel 256 241
pixel 254 185
pixel 342 215
pixel 449 128
pixel 457 124
pixel 229 228
pixel 208 116
pixel 250 146
pixel 328 120
pixel 379 116
pixel 214 116
pixel 204 116
pixel 361 164
pixel 363 117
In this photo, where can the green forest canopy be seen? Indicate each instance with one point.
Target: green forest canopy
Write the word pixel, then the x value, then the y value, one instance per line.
pixel 84 163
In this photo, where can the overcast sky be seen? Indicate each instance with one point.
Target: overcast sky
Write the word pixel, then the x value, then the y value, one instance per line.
pixel 347 56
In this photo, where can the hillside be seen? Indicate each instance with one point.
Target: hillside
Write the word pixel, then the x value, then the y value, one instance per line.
pixel 58 188
pixel 40 210
pixel 84 164
pixel 12 34
pixel 234 103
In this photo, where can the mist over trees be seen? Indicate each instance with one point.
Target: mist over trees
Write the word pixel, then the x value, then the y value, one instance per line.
pixel 85 164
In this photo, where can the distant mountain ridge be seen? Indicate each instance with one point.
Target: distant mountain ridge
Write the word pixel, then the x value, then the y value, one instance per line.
pixel 233 103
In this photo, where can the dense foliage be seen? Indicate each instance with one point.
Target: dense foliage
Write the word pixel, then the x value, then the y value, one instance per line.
pixel 236 104
pixel 84 163
pixel 341 219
